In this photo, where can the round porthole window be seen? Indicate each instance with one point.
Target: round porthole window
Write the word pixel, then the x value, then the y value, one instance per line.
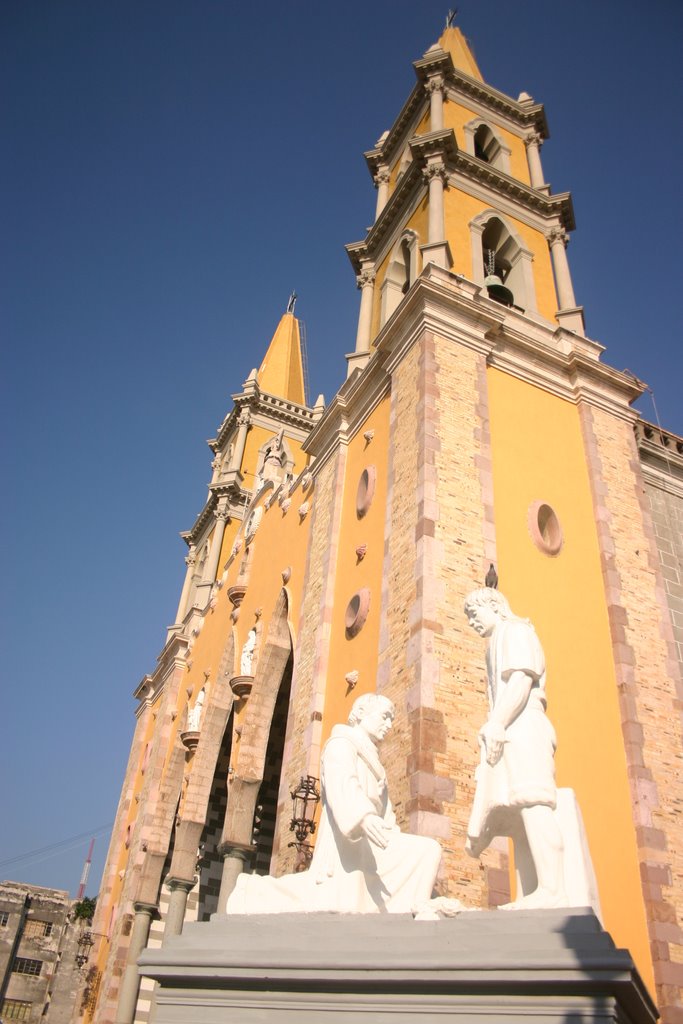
pixel 366 490
pixel 545 528
pixel 357 612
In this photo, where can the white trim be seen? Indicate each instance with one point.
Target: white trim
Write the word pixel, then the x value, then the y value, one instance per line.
pixel 501 158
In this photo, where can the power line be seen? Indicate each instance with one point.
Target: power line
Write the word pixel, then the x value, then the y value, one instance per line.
pixel 44 852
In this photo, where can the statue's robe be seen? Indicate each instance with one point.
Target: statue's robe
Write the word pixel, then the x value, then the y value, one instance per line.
pixel 525 774
pixel 348 873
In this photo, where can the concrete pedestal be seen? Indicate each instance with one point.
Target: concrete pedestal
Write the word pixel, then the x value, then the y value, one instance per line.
pixel 549 967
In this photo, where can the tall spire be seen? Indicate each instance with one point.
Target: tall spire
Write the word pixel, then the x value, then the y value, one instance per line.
pixel 281 373
pixel 453 41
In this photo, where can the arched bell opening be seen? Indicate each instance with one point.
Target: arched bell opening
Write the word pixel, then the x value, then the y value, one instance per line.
pixel 266 802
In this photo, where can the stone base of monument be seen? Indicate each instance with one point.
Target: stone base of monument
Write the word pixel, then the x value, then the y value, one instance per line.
pixel 548 966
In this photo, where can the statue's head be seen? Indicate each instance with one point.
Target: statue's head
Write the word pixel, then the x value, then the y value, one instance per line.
pixel 374 714
pixel 484 608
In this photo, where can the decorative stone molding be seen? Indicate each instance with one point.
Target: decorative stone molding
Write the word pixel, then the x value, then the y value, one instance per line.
pixel 357 612
pixel 241 686
pixel 361 552
pixel 285 505
pixel 533 139
pixel 303 510
pixel 368 435
pixel 237 546
pixel 435 84
pixel 234 615
pixel 306 480
pixel 286 574
pixel 236 594
pixel 366 490
pixel 253 523
pixel 435 170
pixel 557 234
pixel 544 527
pixel 190 740
pixel 382 177
pixel 366 277
pixel 351 678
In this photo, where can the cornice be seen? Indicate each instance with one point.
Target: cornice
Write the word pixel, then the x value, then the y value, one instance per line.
pixel 554 206
pixel 486 181
pixel 349 410
pixel 526 115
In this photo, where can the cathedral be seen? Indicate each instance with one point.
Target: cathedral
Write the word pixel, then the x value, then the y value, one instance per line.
pixel 479 432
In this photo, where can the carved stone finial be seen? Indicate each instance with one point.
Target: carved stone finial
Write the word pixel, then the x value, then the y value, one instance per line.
pixel 351 678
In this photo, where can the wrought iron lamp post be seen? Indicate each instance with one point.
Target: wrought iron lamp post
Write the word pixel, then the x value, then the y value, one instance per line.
pixel 305 799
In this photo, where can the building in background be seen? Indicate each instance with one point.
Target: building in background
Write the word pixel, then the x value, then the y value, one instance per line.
pixel 43 948
pixel 478 425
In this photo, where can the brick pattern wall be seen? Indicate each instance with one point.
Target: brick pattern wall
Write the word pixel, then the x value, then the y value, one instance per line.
pixel 302 743
pixel 648 675
pixel 466 537
pixel 666 511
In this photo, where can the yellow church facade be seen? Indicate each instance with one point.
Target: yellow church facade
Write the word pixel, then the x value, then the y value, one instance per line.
pixel 478 425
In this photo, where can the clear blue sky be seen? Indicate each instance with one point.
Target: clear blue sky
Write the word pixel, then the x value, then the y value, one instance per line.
pixel 172 171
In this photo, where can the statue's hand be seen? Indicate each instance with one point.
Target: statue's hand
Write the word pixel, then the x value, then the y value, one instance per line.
pixel 492 735
pixel 376 831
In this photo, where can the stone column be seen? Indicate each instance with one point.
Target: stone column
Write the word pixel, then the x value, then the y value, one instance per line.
pixel 381 180
pixel 435 88
pixel 177 905
pixel 222 515
pixel 240 440
pixel 366 282
pixel 130 983
pixel 235 857
pixel 190 560
pixel 437 250
pixel 557 240
pixel 533 143
pixel 569 315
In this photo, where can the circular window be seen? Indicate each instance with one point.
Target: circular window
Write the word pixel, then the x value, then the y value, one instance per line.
pixel 357 612
pixel 545 528
pixel 366 490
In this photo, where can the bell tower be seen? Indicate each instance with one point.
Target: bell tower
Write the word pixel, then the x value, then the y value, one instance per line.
pixel 460 184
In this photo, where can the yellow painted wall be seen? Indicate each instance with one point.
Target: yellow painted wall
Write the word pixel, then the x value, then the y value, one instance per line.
pixel 538 454
pixel 360 652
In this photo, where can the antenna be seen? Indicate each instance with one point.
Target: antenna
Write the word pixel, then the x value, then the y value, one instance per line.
pixel 86 872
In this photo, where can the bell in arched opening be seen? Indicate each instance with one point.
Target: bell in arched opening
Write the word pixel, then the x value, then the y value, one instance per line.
pixel 493 283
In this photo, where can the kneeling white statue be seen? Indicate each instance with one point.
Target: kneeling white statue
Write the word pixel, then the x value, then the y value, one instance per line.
pixel 515 782
pixel 362 862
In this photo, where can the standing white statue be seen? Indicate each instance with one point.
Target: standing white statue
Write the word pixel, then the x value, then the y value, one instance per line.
pixel 247 657
pixel 194 715
pixel 362 862
pixel 516 794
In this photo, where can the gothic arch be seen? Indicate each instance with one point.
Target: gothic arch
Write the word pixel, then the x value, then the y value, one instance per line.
pixel 276 651
pixel 402 269
pixel 195 805
pixel 510 251
pixel 483 141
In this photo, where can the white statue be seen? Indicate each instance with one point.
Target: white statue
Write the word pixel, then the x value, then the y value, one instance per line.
pixel 248 653
pixel 516 794
pixel 194 715
pixel 362 862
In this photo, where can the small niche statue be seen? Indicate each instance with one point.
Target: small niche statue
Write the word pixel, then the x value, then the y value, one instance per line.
pixel 247 658
pixel 362 862
pixel 194 715
pixel 515 792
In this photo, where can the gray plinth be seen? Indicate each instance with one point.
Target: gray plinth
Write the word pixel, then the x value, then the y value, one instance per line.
pixel 549 967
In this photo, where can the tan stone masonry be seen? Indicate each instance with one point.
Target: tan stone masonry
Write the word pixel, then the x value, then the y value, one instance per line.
pixel 649 688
